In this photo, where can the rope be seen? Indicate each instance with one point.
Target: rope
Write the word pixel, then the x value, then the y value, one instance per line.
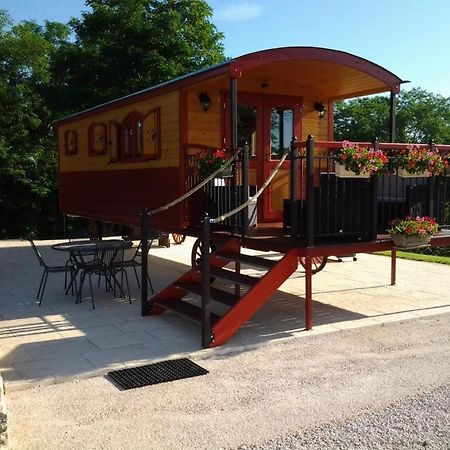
pixel 195 188
pixel 251 199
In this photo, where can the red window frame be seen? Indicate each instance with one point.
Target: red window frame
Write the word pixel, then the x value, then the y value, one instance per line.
pixel 70 142
pixel 97 139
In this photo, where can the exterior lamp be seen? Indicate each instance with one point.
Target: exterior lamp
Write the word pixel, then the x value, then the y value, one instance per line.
pixel 321 109
pixel 205 101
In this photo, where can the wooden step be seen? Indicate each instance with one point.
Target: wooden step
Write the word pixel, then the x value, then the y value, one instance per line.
pixel 254 261
pixel 229 275
pixel 185 309
pixel 216 294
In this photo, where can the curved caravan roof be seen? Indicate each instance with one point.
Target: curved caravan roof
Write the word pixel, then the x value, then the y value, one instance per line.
pixel 323 73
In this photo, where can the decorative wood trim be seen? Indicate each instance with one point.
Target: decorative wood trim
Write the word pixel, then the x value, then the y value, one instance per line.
pixel 152 134
pixel 114 141
pixel 97 139
pixel 70 143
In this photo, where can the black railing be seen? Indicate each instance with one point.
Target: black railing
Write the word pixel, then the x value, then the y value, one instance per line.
pixel 327 206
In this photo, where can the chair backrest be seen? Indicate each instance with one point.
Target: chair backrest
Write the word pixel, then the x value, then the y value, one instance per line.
pixel 110 252
pixel 37 253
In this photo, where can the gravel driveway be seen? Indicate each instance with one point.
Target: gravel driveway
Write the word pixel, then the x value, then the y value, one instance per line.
pixel 383 387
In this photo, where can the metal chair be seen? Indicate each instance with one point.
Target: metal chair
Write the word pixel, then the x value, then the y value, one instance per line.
pixel 51 269
pixel 103 261
pixel 136 261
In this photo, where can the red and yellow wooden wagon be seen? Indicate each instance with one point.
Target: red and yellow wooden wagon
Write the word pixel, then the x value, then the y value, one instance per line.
pixel 140 153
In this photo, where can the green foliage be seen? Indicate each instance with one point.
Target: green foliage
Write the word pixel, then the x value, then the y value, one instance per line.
pixel 27 145
pixel 46 72
pixel 123 46
pixel 421 117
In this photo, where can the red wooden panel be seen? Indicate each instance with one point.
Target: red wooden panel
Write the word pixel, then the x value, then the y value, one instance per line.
pixel 118 196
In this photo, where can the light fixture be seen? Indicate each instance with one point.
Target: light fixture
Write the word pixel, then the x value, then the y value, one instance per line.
pixel 321 109
pixel 205 101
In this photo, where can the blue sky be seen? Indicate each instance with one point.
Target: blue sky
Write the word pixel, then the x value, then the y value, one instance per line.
pixel 408 37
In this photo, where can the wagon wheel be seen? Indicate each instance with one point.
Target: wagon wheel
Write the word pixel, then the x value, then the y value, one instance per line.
pixel 196 255
pixel 318 263
pixel 178 238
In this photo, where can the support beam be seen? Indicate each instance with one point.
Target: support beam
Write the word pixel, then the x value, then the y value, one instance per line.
pixel 144 259
pixel 234 145
pixel 393 266
pixel 308 293
pixel 392 117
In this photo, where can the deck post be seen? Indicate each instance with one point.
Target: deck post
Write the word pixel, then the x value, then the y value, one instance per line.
pixel 234 145
pixel 206 286
pixel 392 117
pixel 308 293
pixel 310 191
pixel 293 213
pixel 431 181
pixel 374 182
pixel 245 169
pixel 393 266
pixel 144 266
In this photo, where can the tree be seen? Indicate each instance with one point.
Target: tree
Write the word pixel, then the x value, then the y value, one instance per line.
pixel 421 117
pixel 27 146
pixel 123 46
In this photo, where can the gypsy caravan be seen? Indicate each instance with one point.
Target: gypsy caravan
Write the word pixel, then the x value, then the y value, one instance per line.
pixel 263 122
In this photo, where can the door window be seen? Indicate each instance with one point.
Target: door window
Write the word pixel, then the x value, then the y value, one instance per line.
pixel 246 126
pixel 281 131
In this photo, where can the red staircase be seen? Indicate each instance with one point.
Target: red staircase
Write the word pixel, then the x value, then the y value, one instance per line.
pixel 248 294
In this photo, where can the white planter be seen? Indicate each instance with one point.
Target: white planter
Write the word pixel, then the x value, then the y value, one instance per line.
pixel 342 172
pixel 409 242
pixel 404 174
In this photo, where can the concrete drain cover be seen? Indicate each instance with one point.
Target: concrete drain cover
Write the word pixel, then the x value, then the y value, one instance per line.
pixel 174 369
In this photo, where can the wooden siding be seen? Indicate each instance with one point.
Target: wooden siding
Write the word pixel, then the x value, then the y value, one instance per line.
pixel 170 147
pixel 204 127
pixel 119 196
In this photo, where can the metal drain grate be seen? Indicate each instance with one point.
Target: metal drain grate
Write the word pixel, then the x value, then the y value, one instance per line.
pixel 174 369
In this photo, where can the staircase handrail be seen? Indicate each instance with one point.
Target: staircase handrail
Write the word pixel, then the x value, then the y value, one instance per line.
pixel 254 197
pixel 195 188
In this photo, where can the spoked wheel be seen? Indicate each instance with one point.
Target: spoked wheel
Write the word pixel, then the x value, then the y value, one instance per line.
pixel 178 238
pixel 318 263
pixel 196 255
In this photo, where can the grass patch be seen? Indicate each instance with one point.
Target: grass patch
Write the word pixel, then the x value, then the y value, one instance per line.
pixel 418 257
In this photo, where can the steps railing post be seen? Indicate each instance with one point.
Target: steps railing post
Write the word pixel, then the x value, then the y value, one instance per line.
pixel 144 266
pixel 310 191
pixel 294 193
pixel 206 286
pixel 245 169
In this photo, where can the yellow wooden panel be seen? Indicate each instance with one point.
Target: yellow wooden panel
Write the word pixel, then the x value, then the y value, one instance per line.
pixel 279 189
pixel 204 127
pixel 170 146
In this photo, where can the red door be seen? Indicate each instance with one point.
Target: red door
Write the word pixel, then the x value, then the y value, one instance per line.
pixel 267 124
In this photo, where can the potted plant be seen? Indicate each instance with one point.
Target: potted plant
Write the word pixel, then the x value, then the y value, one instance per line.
pixel 412 232
pixel 209 162
pixel 352 160
pixel 419 161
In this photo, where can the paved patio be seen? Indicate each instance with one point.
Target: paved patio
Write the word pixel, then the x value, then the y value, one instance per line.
pixel 62 340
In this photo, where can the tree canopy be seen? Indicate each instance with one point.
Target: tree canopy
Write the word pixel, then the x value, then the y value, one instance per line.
pixel 421 117
pixel 123 46
pixel 115 48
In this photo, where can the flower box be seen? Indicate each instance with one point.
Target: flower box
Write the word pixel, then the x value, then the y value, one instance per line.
pixel 342 172
pixel 409 242
pixel 404 174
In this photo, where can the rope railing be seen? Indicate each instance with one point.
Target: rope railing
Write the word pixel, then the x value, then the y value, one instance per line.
pixel 254 197
pixel 195 188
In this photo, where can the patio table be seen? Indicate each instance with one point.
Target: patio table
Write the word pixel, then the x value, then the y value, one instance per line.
pixel 79 249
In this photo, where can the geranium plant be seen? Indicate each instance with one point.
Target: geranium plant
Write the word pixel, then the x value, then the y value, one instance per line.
pixel 417 160
pixel 210 161
pixel 359 159
pixel 417 227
